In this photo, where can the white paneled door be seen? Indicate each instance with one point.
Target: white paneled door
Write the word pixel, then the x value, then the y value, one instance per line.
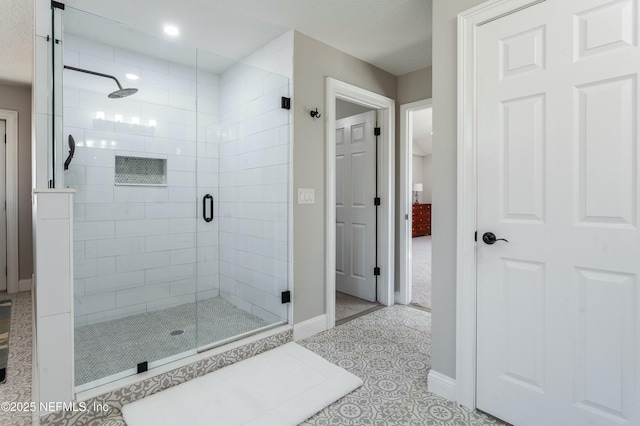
pixel 558 319
pixel 355 209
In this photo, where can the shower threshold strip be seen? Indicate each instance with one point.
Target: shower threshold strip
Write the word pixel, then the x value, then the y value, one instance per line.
pixel 242 336
pixel 167 362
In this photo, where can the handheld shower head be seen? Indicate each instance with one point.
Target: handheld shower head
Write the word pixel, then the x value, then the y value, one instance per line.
pixel 72 150
pixel 120 93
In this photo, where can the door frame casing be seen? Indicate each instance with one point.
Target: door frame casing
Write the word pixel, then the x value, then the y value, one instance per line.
pixel 467 144
pixel 336 89
pixel 403 296
pixel 11 197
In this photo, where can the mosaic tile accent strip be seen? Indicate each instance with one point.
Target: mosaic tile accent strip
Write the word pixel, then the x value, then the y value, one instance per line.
pixel 116 399
pixel 110 347
pixel 390 350
pixel 17 387
pixel 140 170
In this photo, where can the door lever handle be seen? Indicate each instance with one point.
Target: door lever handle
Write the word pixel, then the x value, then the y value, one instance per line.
pixel 490 238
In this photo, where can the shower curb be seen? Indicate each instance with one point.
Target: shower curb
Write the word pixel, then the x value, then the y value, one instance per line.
pixel 118 398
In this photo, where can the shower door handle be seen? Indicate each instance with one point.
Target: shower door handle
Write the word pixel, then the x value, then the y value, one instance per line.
pixel 206 198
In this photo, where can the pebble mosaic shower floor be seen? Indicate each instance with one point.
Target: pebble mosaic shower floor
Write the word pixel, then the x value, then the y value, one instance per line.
pixel 113 346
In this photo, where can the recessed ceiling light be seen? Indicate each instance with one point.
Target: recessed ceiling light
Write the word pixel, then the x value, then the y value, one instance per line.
pixel 171 30
pixel 131 76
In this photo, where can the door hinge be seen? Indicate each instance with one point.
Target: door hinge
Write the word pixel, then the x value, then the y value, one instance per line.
pixel 5 138
pixel 286 297
pixel 406 216
pixel 285 103
pixel 475 236
pixel 376 201
pixel 376 271
pixel 376 131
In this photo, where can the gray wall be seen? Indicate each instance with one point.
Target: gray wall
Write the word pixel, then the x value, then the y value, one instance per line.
pixel 347 109
pixel 313 62
pixel 443 333
pixel 415 86
pixel 427 179
pixel 18 98
pixel 422 166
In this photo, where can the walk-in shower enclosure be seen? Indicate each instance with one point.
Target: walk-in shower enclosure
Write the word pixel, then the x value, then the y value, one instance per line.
pixel 181 204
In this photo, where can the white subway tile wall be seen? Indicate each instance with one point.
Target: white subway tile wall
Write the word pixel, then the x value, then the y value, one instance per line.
pixel 143 248
pixel 254 181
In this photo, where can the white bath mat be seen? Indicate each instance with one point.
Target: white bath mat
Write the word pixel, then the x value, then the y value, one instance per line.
pixel 283 386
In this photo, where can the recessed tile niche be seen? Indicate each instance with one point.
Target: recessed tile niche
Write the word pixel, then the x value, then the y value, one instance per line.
pixel 140 171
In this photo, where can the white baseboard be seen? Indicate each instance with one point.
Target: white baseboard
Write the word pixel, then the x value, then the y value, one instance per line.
pixel 25 284
pixel 442 385
pixel 309 327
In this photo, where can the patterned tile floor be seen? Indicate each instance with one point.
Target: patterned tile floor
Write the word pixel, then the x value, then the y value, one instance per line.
pixel 390 349
pixel 17 388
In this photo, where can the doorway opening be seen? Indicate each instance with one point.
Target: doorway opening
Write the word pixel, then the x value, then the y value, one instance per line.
pixel 3 201
pixel 9 197
pixel 356 210
pixel 351 245
pixel 416 138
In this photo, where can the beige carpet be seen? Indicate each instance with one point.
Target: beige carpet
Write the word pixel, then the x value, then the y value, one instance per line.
pixel 421 271
pixel 347 305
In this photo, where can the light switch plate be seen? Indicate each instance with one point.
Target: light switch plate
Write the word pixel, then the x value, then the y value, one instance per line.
pixel 306 196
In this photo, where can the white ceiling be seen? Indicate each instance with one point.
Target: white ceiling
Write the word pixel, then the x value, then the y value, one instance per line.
pixel 16 33
pixel 394 35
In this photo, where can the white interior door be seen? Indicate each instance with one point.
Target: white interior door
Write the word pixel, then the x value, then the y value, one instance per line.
pixel 558 322
pixel 355 209
pixel 3 206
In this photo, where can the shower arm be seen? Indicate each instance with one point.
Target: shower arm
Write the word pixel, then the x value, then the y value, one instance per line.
pixel 94 73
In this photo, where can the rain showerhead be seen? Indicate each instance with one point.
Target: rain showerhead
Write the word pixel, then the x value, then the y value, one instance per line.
pixel 120 93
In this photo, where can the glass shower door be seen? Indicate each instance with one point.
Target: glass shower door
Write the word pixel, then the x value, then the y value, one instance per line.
pixel 132 161
pixel 181 210
pixel 244 165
